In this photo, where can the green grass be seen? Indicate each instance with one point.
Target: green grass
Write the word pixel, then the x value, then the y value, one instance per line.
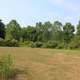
pixel 46 64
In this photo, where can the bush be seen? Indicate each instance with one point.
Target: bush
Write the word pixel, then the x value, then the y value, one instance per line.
pixel 25 43
pixel 12 43
pixel 9 43
pixel 35 44
pixel 61 45
pixel 75 43
pixel 2 42
pixel 32 45
pixel 51 44
pixel 38 44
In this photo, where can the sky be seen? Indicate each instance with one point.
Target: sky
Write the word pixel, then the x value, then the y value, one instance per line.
pixel 28 12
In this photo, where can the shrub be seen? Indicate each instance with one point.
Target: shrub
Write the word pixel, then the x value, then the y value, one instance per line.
pixel 25 43
pixel 12 43
pixel 61 45
pixel 32 45
pixel 51 44
pixel 75 43
pixel 9 43
pixel 38 44
pixel 35 44
pixel 2 42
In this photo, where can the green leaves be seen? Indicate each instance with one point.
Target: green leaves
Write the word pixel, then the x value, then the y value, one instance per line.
pixel 13 30
pixel 2 30
pixel 5 67
pixel 68 31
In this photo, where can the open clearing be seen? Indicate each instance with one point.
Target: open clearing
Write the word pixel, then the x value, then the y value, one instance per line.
pixel 45 64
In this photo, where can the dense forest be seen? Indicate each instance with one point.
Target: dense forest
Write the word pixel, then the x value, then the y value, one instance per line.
pixel 42 35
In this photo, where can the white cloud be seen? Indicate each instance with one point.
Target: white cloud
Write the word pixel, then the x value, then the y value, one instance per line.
pixel 56 2
pixel 69 6
pixel 66 5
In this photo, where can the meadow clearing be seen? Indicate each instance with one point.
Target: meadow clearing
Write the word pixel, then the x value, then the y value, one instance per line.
pixel 45 64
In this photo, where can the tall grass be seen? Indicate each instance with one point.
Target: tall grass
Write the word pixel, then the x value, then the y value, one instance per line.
pixel 6 70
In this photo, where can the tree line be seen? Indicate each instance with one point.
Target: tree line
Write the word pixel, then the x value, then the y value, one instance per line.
pixel 46 35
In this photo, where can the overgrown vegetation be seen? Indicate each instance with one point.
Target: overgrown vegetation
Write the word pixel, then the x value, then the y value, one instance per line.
pixel 6 70
pixel 47 35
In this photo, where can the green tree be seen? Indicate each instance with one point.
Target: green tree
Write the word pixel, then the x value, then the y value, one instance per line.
pixel 68 30
pixel 57 26
pixel 28 33
pixel 13 30
pixel 40 31
pixel 2 30
pixel 78 29
pixel 47 31
pixel 57 30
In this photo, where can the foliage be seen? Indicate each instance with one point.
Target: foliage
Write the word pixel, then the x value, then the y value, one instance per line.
pixel 61 45
pixel 68 30
pixel 47 34
pixel 78 29
pixel 35 44
pixel 12 43
pixel 13 30
pixel 9 43
pixel 2 42
pixel 25 43
pixel 38 44
pixel 75 43
pixel 32 45
pixel 51 44
pixel 2 30
pixel 6 70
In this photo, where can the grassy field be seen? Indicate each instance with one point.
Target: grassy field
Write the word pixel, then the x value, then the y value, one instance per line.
pixel 45 64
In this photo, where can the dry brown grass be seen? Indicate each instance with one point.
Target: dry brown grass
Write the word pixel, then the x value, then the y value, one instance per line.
pixel 45 64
